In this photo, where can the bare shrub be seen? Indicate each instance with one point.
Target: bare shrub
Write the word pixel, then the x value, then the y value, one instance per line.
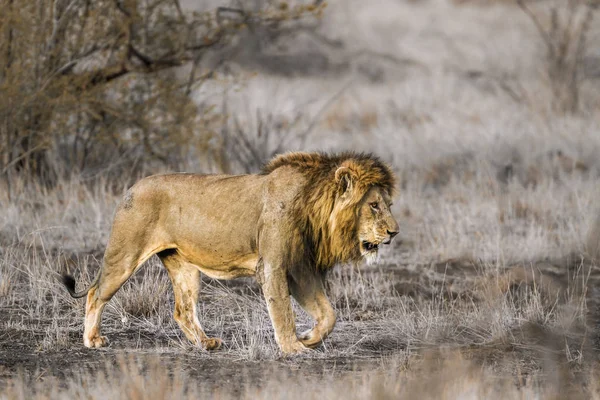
pixel 564 28
pixel 245 146
pixel 87 85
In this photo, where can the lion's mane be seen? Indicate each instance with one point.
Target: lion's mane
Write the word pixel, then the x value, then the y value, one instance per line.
pixel 328 227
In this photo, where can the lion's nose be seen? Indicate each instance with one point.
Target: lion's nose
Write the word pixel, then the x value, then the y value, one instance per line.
pixel 391 235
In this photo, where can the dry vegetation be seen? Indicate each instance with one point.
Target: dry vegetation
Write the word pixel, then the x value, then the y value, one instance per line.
pixel 488 111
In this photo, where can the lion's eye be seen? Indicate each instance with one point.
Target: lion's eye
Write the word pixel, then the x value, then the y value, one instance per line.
pixel 374 206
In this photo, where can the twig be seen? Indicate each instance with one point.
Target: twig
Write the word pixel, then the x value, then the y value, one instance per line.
pixel 536 22
pixel 58 22
pixel 179 10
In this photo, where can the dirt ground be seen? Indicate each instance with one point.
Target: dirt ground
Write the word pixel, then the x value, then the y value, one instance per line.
pixel 354 348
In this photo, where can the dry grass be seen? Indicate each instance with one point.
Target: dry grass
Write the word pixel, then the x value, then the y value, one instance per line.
pixel 440 375
pixel 490 291
pixel 533 318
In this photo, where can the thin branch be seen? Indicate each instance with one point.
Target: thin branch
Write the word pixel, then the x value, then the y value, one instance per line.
pixel 147 61
pixel 582 37
pixel 83 24
pixel 109 74
pixel 68 67
pixel 536 22
pixel 9 44
pixel 563 46
pixel 579 52
pixel 59 22
pixel 22 156
pixel 207 43
pixel 224 10
pixel 243 138
pixel 179 10
pixel 122 8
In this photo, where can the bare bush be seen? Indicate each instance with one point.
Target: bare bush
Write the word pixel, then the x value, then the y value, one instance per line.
pixel 564 28
pixel 101 81
pixel 246 147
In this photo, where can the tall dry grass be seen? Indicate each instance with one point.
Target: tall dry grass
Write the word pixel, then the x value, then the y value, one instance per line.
pixel 445 375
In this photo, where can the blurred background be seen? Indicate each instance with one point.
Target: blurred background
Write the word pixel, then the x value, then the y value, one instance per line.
pixel 487 109
pixel 124 88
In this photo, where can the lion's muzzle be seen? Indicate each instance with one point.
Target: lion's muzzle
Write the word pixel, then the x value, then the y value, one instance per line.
pixel 368 246
pixel 389 237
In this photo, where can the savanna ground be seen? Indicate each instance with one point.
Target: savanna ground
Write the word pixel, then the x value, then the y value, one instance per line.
pixel 491 289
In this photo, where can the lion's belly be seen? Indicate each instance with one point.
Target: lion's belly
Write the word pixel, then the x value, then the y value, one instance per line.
pixel 219 267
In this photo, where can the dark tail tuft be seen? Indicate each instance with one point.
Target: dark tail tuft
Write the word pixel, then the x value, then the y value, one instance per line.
pixel 69 283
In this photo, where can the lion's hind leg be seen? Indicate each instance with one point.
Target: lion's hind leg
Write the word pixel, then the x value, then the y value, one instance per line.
pixel 116 269
pixel 93 317
pixel 185 278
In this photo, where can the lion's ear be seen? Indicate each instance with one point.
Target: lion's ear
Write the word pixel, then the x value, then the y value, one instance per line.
pixel 344 178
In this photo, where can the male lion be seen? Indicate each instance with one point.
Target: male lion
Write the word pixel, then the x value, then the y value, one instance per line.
pixel 287 226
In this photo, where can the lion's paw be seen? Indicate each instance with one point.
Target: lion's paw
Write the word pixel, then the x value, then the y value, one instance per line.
pixel 310 339
pixel 311 344
pixel 212 343
pixel 96 342
pixel 294 348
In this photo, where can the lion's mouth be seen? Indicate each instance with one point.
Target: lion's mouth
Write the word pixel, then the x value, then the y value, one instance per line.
pixel 368 246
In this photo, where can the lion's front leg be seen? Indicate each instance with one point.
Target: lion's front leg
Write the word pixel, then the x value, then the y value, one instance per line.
pixel 276 291
pixel 308 290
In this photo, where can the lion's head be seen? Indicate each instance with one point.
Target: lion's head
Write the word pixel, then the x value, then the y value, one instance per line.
pixel 344 212
pixel 376 224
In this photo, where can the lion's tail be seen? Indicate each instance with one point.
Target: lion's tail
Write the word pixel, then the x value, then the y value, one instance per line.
pixel 69 283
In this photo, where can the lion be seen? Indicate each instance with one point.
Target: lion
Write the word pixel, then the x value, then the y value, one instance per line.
pixel 286 226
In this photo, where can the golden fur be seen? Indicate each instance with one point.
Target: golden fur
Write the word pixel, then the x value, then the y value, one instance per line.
pixel 330 232
pixel 302 215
